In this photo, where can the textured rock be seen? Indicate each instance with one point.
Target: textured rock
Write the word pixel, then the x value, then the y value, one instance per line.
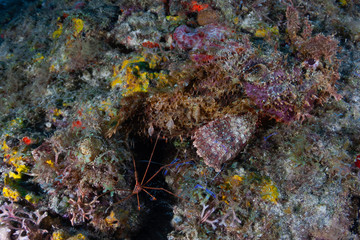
pixel 4 233
pixel 222 139
pixel 207 17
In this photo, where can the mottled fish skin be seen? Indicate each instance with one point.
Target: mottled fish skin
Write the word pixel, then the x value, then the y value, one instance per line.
pixel 221 140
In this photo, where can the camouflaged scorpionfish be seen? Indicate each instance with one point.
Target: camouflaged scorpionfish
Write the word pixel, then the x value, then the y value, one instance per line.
pixel 222 139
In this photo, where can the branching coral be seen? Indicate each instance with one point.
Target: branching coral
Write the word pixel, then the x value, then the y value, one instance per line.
pixel 25 223
pixel 84 171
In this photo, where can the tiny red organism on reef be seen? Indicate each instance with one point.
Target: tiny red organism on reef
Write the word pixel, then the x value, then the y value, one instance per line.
pixel 77 124
pixel 196 7
pixel 357 161
pixel 149 44
pixel 26 140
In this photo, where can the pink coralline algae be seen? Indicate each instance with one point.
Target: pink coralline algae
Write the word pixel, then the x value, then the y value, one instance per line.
pixel 278 95
pixel 221 140
pixel 201 38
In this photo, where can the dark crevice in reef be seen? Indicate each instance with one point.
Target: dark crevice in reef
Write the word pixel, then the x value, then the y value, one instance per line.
pixel 156 224
pixel 9 9
pixel 355 214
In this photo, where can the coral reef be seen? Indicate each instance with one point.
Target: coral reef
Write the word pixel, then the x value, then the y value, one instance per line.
pixel 226 119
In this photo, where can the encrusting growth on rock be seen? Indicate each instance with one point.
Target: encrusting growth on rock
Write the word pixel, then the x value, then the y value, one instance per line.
pixel 221 140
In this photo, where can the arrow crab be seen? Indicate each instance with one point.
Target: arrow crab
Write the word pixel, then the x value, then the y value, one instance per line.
pixel 142 185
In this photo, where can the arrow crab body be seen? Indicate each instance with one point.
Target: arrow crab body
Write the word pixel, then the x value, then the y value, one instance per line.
pixel 142 185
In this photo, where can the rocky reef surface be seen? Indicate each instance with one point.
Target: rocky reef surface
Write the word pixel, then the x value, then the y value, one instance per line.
pixel 180 119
